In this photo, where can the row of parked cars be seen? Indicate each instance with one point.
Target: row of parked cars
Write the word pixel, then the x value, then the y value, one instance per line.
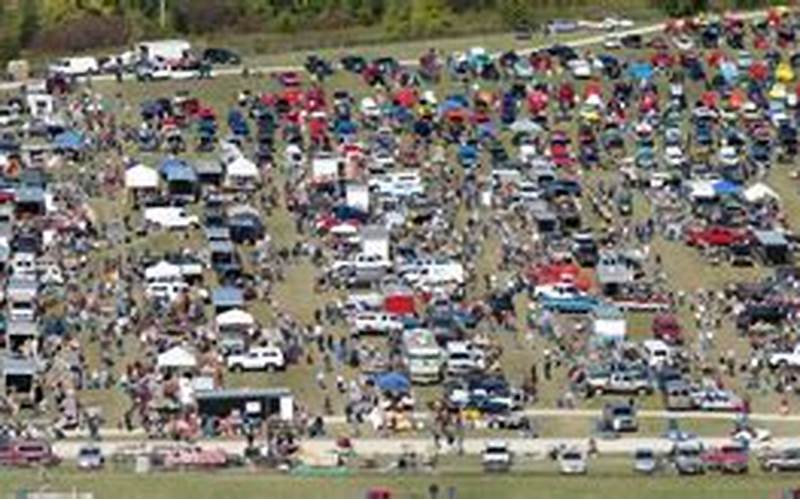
pixel 685 458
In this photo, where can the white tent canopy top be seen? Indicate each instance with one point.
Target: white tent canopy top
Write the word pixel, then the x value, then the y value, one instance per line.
pixel 141 177
pixel 162 271
pixel 235 317
pixel 177 357
pixel 242 167
pixel 759 192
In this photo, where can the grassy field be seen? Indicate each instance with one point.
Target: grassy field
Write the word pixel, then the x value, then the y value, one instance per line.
pixel 607 478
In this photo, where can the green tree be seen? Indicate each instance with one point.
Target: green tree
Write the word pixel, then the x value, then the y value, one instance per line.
pixel 429 17
pixel 31 22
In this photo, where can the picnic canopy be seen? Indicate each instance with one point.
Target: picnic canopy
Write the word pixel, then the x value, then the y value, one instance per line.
pixel 175 170
pixel 235 317
pixel 176 357
pixel 162 271
pixel 759 192
pixel 641 71
pixel 227 297
pixel 69 140
pixel 242 168
pixel 393 382
pixel 141 177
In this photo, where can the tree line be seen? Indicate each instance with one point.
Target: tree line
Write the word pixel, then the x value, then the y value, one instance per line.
pixel 76 25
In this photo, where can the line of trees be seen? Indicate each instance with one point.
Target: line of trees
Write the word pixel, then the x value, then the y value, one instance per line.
pixel 75 25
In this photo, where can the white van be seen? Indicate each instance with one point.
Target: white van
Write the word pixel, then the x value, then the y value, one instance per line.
pixel 166 50
pixel 74 66
pixel 658 352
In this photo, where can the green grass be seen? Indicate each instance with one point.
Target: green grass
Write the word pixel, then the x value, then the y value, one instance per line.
pixel 608 478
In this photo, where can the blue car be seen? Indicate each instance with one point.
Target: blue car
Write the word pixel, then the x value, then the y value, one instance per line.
pixel 582 304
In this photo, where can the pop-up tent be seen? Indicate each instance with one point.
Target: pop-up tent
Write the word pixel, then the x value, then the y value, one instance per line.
pixel 141 177
pixel 162 271
pixel 176 358
pixel 235 317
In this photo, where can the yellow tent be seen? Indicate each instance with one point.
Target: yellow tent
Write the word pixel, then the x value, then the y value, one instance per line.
pixel 778 92
pixel 784 72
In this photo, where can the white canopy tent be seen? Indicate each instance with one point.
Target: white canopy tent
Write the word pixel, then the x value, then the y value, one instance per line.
pixel 176 357
pixel 241 171
pixel 759 192
pixel 162 271
pixel 141 177
pixel 235 317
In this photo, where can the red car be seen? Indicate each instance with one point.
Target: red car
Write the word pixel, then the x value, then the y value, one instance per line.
pixel 730 458
pixel 717 236
pixel 667 328
pixel 24 453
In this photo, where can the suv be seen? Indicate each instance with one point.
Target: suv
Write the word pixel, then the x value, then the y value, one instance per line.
pixel 687 457
pixel 373 322
pixel 258 358
pixel 732 458
pixel 621 417
pixel 90 458
pixel 496 457
pixel 781 460
pixel 221 56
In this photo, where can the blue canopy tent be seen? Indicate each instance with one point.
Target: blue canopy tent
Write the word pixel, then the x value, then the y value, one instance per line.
pixel 69 140
pixel 641 71
pixel 729 71
pixel 175 170
pixel 226 298
pixel 393 382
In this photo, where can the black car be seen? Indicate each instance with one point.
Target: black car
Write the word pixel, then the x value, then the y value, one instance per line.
pixel 631 41
pixel 221 56
pixel 354 64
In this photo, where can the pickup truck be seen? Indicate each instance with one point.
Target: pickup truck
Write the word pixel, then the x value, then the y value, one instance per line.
pixel 362 261
pixel 714 236
pixel 791 359
pixel 619 382
pixel 730 458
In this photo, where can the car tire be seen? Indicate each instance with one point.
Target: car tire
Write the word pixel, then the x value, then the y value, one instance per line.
pixel 237 368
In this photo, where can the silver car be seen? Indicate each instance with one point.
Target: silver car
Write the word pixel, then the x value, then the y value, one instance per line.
pixel 645 461
pixel 90 458
pixel 572 463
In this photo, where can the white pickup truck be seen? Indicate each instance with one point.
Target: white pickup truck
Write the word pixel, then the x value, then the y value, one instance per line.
pixel 786 358
pixel 362 261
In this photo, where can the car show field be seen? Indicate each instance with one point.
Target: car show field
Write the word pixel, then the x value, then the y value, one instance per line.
pixel 494 269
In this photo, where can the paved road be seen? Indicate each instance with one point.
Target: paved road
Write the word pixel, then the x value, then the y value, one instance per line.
pixel 581 42
pixel 396 445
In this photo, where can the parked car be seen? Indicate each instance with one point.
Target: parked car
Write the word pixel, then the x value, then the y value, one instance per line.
pixel 730 458
pixel 496 457
pixel 572 462
pixel 786 460
pixel 258 358
pixel 687 458
pixel 23 453
pixel 645 461
pixel 213 55
pixel 90 457
pixel 620 417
